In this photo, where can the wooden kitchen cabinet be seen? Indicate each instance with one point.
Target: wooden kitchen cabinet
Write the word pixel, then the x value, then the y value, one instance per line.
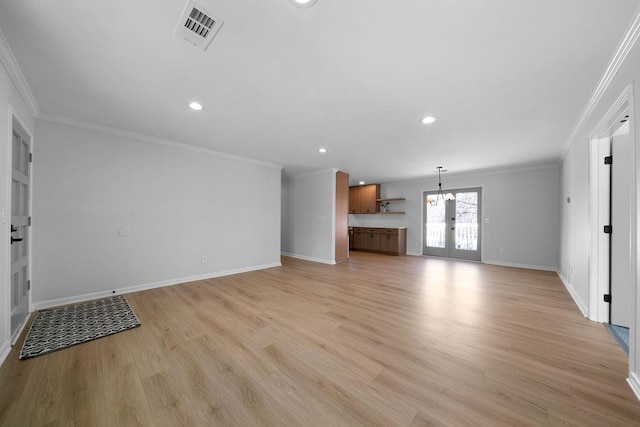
pixel 372 239
pixel 370 196
pixel 355 194
pixel 359 238
pixel 352 238
pixel 390 241
pixel 363 199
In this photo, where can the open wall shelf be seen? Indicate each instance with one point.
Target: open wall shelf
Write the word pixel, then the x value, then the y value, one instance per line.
pixel 390 199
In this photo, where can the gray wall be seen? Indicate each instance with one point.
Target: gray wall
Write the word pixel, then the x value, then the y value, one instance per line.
pixel 574 253
pixel 175 205
pixel 522 206
pixel 308 216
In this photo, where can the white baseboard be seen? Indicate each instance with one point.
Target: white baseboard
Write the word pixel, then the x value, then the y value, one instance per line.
pixel 86 297
pixel 5 348
pixel 512 264
pixel 574 295
pixel 16 335
pixel 414 253
pixel 308 258
pixel 634 383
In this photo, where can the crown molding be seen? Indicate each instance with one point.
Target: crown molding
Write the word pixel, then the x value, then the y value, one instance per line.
pixel 149 139
pixel 505 170
pixel 620 106
pixel 625 46
pixel 315 172
pixel 16 76
pixel 482 172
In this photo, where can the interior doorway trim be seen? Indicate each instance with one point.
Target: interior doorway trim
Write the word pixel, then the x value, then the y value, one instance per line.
pixel 598 260
pixel 598 309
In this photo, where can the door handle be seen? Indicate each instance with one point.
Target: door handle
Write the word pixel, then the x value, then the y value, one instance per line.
pixel 13 240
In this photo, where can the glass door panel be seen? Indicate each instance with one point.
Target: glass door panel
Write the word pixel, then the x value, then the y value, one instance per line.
pixel 435 238
pixel 436 226
pixel 466 221
pixel 467 225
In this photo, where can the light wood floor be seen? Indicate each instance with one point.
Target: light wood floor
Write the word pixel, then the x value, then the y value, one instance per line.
pixel 381 340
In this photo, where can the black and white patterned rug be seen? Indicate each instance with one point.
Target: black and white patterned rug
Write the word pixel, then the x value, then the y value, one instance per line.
pixel 63 327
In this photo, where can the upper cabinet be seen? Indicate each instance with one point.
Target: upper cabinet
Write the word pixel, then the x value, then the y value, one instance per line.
pixel 363 199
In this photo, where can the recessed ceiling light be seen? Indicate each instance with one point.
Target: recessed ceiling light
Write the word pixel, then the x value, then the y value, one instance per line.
pixel 304 3
pixel 322 150
pixel 429 119
pixel 361 182
pixel 196 106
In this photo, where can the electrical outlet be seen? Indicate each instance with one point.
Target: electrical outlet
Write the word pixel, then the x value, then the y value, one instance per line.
pixel 204 259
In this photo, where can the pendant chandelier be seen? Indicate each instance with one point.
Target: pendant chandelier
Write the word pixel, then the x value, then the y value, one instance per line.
pixel 433 199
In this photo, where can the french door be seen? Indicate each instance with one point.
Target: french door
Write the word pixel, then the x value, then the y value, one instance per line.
pixel 452 227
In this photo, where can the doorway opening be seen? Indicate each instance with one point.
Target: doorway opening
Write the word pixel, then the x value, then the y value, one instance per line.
pixel 452 227
pixel 620 281
pixel 613 228
pixel 612 213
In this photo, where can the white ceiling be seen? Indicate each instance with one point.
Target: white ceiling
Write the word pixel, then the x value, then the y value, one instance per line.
pixel 507 79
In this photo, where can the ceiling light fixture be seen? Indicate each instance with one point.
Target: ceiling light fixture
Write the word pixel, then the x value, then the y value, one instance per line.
pixel 304 3
pixel 322 150
pixel 196 106
pixel 432 199
pixel 361 182
pixel 429 119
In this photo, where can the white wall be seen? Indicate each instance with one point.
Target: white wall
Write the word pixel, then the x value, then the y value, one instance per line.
pixel 10 103
pixel 176 206
pixel 521 205
pixel 308 215
pixel 575 183
pixel 574 224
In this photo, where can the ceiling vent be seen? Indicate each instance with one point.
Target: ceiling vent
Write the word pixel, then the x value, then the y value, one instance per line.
pixel 197 26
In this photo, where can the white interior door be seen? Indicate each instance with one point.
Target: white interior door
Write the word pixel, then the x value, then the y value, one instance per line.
pixel 621 281
pixel 452 228
pixel 19 227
